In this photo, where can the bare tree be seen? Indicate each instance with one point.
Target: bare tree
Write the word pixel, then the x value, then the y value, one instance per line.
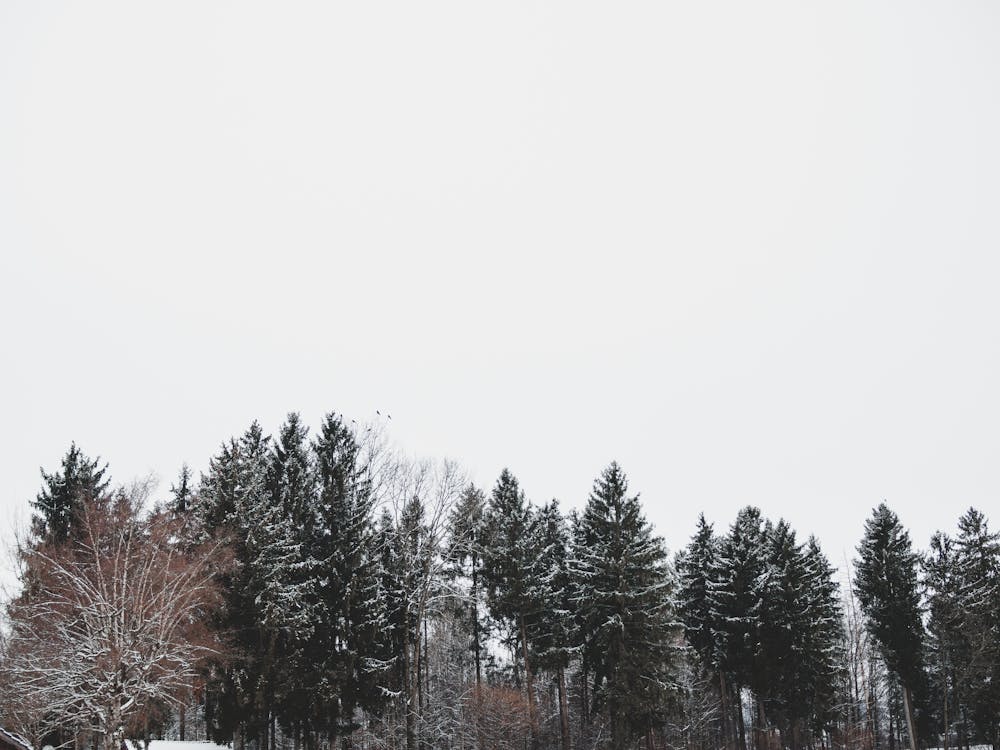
pixel 114 620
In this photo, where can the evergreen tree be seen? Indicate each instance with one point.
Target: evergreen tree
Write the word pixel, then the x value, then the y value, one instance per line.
pixel 181 492
pixel 508 562
pixel 553 637
pixel 698 568
pixel 236 507
pixel 63 494
pixel 977 565
pixel 465 554
pixel 626 587
pixel 887 589
pixel 344 550
pixel 695 567
pixel 823 639
pixel 737 596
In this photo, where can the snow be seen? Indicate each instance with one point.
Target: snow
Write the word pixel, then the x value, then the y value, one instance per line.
pixel 176 745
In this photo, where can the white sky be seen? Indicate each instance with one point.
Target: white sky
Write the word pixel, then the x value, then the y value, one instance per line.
pixel 747 249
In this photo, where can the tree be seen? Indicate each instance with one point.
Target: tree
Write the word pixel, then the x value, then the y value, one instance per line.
pixel 631 638
pixel 698 568
pixel 119 622
pixel 737 593
pixel 342 546
pixel 64 494
pixel 466 543
pixel 887 589
pixel 552 591
pixel 977 579
pixel 237 509
pixel 507 568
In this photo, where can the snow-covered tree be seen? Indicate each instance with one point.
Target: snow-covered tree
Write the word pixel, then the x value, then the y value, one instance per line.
pixel 626 588
pixel 888 591
pixel 58 506
pixel 117 623
pixel 508 562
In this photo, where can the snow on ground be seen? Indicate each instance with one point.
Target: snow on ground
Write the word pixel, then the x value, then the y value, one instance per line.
pixel 176 745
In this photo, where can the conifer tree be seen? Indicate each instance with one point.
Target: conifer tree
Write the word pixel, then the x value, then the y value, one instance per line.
pixel 887 589
pixel 631 635
pixel 63 494
pixel 508 562
pixel 737 593
pixel 235 507
pixel 343 548
pixel 698 568
pixel 465 554
pixel 977 564
pixel 182 492
pixel 553 637
pixel 824 657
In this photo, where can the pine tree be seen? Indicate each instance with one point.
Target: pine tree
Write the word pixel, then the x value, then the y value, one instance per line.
pixel 887 589
pixel 779 674
pixel 737 596
pixel 63 494
pixel 507 567
pixel 977 574
pixel 236 507
pixel 632 639
pixel 181 492
pixel 347 563
pixel 465 554
pixel 698 567
pixel 823 639
pixel 552 591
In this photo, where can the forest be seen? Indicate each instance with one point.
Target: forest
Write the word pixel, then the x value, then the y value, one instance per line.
pixel 314 591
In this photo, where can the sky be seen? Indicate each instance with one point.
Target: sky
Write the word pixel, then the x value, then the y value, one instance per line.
pixel 747 250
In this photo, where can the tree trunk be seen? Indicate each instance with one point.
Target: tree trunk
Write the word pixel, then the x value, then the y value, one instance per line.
pixel 529 686
pixel 475 622
pixel 910 725
pixel 410 700
pixel 564 710
pixel 945 691
pixel 724 710
pixel 740 722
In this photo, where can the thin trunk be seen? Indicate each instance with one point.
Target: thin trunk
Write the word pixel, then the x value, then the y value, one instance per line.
pixel 724 710
pixel 740 722
pixel 410 701
pixel 945 691
pixel 529 686
pixel 563 709
pixel 910 725
pixel 475 621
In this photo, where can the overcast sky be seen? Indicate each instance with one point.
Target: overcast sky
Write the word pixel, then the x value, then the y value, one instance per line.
pixel 749 250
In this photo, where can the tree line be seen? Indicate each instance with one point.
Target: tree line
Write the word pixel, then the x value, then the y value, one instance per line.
pixel 309 591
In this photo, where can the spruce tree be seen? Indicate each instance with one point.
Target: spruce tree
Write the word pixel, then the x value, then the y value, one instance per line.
pixel 182 492
pixel 63 494
pixel 977 566
pixel 698 568
pixel 344 550
pixel 737 594
pixel 626 587
pixel 887 589
pixel 552 592
pixel 823 639
pixel 508 562
pixel 467 533
pixel 235 508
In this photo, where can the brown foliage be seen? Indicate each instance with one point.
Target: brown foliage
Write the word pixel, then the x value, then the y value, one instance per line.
pixel 115 619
